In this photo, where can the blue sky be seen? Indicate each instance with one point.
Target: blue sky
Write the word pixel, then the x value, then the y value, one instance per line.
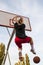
pixel 34 10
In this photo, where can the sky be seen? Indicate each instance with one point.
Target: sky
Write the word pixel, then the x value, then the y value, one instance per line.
pixel 34 10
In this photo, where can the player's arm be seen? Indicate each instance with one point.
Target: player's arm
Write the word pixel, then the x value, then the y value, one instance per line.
pixel 14 23
pixel 15 18
pixel 11 21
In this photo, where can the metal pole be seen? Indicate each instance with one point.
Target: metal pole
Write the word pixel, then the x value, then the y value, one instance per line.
pixel 9 59
pixel 8 46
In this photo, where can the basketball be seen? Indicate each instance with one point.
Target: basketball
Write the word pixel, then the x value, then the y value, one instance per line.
pixel 36 59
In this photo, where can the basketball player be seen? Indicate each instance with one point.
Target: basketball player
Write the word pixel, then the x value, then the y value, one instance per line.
pixel 21 37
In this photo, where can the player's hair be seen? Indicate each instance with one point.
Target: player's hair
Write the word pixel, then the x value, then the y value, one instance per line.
pixel 20 20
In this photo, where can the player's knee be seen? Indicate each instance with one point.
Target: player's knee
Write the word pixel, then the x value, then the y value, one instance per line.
pixel 19 45
pixel 31 41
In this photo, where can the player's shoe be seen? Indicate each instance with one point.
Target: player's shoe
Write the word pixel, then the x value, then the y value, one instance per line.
pixel 33 51
pixel 21 58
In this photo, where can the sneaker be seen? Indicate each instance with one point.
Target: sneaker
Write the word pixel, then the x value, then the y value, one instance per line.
pixel 33 51
pixel 21 58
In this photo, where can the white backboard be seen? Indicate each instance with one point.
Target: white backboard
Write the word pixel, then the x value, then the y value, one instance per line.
pixel 5 20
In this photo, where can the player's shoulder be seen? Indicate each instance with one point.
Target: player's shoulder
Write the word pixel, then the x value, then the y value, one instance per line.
pixel 23 24
pixel 15 23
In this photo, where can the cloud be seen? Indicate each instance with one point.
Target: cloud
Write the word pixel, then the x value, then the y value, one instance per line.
pixel 3 6
pixel 27 8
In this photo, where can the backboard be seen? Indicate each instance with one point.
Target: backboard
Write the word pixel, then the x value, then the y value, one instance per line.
pixel 5 18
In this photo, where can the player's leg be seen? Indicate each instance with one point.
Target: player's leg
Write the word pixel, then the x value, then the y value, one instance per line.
pixel 18 42
pixel 20 54
pixel 29 40
pixel 32 46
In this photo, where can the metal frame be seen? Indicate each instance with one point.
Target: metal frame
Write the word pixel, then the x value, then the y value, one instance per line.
pixel 15 15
